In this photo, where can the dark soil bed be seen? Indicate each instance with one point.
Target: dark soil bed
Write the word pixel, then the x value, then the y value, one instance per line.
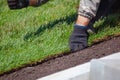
pixel 60 63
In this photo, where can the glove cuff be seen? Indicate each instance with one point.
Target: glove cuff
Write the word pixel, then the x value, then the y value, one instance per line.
pixel 76 26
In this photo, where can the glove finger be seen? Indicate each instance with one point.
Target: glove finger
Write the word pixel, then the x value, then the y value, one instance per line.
pixel 12 3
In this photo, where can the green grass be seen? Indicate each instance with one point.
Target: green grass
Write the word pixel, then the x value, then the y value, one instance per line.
pixel 32 34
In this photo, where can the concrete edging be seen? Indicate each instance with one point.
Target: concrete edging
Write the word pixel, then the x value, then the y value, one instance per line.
pixel 80 72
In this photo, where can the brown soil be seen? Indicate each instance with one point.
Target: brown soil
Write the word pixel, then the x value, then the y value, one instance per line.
pixel 60 63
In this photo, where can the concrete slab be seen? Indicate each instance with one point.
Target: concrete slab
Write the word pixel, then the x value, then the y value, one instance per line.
pixel 105 69
pixel 80 72
pixel 71 74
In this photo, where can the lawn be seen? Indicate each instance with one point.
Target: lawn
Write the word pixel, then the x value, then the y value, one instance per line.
pixel 32 34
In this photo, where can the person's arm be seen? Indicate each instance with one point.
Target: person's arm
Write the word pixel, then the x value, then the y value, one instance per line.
pixel 79 36
pixel 37 2
pixel 87 11
pixel 18 4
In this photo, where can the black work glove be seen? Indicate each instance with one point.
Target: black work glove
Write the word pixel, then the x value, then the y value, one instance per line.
pixel 17 4
pixel 79 38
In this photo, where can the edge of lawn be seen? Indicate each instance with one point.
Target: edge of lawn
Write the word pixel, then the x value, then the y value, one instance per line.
pixel 53 56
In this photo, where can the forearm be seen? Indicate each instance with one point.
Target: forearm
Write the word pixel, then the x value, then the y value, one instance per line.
pixel 88 8
pixel 37 2
pixel 18 4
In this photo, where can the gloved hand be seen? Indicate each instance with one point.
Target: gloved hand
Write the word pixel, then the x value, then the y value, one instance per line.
pixel 79 38
pixel 17 4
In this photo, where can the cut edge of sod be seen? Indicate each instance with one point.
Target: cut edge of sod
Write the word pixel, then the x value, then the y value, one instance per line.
pixel 53 56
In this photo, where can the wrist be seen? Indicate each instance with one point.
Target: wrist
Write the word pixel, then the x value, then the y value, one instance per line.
pixel 76 26
pixel 83 21
pixel 33 2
